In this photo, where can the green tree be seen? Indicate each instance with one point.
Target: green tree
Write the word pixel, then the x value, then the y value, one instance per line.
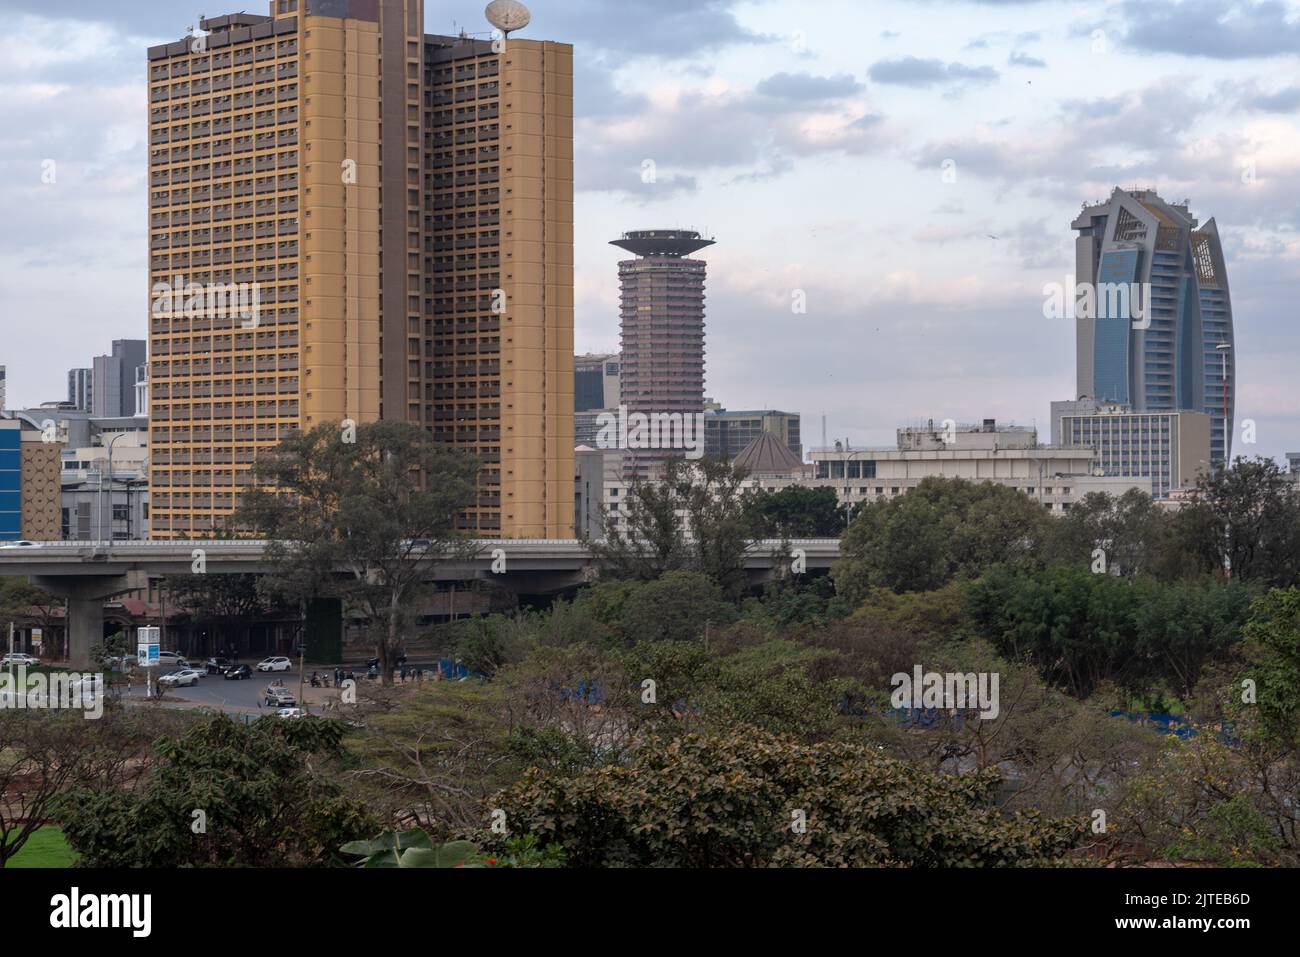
pixel 437 757
pixel 1231 804
pixel 680 606
pixel 744 798
pixel 263 803
pixel 1131 530
pixel 699 517
pixel 366 521
pixel 1273 646
pixel 941 530
pixel 1082 630
pixel 791 599
pixel 23 604
pixel 438 753
pixel 1252 514
pixel 800 511
pixel 485 644
pixel 44 753
pixel 779 686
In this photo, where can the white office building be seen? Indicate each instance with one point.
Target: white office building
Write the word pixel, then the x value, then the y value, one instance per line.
pixel 1170 449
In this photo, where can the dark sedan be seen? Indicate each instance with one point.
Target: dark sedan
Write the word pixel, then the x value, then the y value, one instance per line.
pixel 239 673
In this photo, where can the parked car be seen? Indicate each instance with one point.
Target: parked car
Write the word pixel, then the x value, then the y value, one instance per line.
pixel 14 660
pixel 278 697
pixel 218 666
pixel 238 673
pixel 373 663
pixel 290 713
pixel 173 658
pixel 120 663
pixel 186 677
pixel 274 664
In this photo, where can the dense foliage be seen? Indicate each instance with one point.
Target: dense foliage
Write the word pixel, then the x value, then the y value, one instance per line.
pixel 742 799
pixel 221 795
pixel 673 713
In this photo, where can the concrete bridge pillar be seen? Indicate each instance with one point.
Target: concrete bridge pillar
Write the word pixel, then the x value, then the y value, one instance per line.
pixel 85 630
pixel 86 597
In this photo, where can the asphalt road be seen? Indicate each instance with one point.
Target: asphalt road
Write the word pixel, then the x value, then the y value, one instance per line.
pixel 216 691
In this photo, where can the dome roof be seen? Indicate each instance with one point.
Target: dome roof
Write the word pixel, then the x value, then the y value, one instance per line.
pixel 767 453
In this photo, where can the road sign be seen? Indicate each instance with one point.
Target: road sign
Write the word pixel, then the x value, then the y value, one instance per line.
pixel 147 646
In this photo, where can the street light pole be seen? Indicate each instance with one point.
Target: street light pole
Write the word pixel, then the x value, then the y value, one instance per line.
pixel 112 442
pixel 848 504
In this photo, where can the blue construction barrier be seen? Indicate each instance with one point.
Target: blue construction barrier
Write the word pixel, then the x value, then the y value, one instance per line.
pixel 454 670
pixel 587 692
pixel 1180 727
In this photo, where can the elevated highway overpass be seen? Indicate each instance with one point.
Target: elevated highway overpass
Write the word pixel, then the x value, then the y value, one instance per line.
pixel 86 574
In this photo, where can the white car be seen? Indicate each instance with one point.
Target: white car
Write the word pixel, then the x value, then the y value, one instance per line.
pixel 186 677
pixel 290 713
pixel 15 660
pixel 173 658
pixel 21 545
pixel 274 664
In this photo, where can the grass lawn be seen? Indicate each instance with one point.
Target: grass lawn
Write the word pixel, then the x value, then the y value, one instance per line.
pixel 45 848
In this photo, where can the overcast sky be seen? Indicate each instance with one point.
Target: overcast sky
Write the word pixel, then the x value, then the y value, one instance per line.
pixel 811 139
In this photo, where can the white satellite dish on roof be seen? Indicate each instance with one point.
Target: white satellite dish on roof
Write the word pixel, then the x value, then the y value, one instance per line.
pixel 507 15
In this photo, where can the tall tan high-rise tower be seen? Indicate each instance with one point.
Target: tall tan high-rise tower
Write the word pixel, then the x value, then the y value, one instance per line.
pixel 661 295
pixel 352 220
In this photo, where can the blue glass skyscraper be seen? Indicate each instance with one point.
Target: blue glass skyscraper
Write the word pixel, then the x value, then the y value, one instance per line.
pixel 1159 336
pixel 11 504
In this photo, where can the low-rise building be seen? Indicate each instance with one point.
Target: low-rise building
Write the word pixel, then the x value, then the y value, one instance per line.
pixel 596 485
pixel 727 433
pixel 29 482
pixel 1171 449
pixel 92 502
pixel 1007 455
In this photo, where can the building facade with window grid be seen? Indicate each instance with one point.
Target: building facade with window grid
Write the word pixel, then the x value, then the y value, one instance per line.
pixel 378 186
